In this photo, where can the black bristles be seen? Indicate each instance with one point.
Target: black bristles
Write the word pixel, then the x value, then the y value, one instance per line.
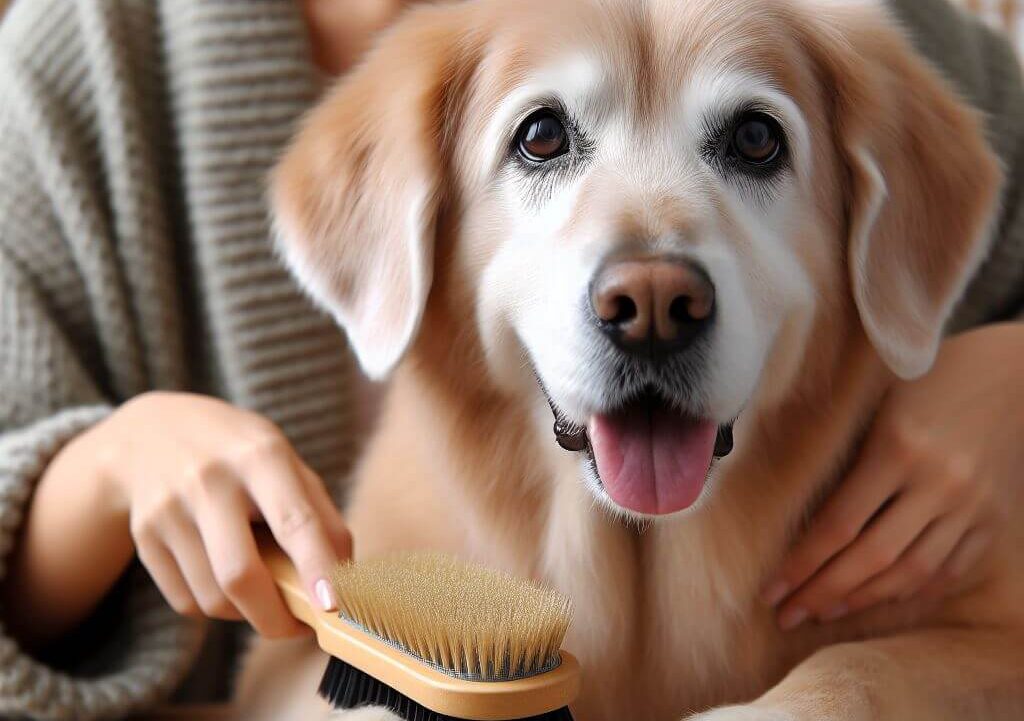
pixel 345 686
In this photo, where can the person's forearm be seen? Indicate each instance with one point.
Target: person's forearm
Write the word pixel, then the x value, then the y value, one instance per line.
pixel 74 545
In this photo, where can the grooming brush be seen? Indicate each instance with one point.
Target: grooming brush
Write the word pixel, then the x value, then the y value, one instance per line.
pixel 436 639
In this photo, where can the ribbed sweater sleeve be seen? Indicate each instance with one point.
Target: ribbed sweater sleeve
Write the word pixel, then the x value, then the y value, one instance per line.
pixel 46 400
pixel 66 338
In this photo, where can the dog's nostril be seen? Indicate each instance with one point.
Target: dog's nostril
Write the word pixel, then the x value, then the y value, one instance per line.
pixel 625 310
pixel 679 310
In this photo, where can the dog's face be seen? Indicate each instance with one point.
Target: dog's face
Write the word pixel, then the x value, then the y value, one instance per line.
pixel 655 207
pixel 647 223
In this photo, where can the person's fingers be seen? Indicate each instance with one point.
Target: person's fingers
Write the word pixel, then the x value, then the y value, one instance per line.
pixel 334 523
pixel 915 567
pixel 160 565
pixel 276 485
pixel 877 548
pixel 966 555
pixel 237 567
pixel 868 486
pixel 184 542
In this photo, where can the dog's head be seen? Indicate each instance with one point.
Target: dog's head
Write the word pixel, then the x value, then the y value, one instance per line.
pixel 660 209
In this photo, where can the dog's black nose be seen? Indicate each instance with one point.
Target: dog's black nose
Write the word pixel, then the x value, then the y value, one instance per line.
pixel 653 306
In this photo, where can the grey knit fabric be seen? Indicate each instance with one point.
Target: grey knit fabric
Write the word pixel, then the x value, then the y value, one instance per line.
pixel 135 137
pixel 134 255
pixel 984 68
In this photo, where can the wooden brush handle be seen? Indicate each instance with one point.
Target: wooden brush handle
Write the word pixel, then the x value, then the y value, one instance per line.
pixel 446 695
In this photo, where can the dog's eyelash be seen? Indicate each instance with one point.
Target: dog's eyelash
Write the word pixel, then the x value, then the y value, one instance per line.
pixel 759 181
pixel 539 185
pixel 541 179
pixel 717 127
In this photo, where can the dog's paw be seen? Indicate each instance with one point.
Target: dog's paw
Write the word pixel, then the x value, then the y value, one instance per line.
pixel 744 713
pixel 364 713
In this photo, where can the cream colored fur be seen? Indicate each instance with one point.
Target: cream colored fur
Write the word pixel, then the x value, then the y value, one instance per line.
pixel 395 210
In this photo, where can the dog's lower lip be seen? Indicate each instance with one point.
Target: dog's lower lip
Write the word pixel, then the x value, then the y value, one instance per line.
pixel 570 436
pixel 724 441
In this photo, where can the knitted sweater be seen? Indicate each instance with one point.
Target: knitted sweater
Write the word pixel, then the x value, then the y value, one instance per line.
pixel 134 255
pixel 135 137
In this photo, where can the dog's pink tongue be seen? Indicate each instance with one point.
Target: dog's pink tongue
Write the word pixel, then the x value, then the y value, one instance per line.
pixel 650 459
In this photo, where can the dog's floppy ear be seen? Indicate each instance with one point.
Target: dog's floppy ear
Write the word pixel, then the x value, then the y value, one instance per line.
pixel 922 181
pixel 355 196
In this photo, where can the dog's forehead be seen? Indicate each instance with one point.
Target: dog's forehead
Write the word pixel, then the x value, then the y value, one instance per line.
pixel 649 47
pixel 641 59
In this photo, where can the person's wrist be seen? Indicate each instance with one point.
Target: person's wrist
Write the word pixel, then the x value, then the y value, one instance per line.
pixel 94 455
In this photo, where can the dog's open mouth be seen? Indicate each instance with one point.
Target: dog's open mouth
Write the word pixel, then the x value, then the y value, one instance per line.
pixel 649 457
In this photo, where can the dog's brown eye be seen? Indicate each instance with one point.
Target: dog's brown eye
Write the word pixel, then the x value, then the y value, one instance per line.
pixel 757 139
pixel 542 137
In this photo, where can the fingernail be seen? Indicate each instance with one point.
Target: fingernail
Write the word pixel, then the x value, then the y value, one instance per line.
pixel 324 595
pixel 836 612
pixel 775 593
pixel 792 618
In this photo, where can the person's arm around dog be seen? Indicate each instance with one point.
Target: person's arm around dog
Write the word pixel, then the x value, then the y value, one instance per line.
pixel 928 492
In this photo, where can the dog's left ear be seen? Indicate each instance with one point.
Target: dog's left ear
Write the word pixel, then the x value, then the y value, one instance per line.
pixel 923 183
pixel 356 195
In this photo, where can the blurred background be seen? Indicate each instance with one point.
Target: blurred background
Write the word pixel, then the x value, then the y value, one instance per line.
pixel 1006 14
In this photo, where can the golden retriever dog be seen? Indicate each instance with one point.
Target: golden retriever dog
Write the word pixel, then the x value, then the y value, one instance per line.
pixel 672 224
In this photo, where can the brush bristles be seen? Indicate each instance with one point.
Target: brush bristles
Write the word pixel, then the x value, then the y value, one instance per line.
pixel 346 687
pixel 467 620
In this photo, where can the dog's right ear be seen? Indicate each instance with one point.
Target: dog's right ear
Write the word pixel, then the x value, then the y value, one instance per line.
pixel 355 196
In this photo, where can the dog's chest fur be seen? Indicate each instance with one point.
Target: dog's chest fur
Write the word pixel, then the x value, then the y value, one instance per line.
pixel 653 640
pixel 666 616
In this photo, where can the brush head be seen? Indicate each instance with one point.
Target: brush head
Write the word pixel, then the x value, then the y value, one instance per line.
pixel 464 620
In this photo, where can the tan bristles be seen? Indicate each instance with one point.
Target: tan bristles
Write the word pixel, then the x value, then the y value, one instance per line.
pixel 467 620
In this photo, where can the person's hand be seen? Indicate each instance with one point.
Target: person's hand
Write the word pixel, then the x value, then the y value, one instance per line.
pixel 940 464
pixel 191 473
